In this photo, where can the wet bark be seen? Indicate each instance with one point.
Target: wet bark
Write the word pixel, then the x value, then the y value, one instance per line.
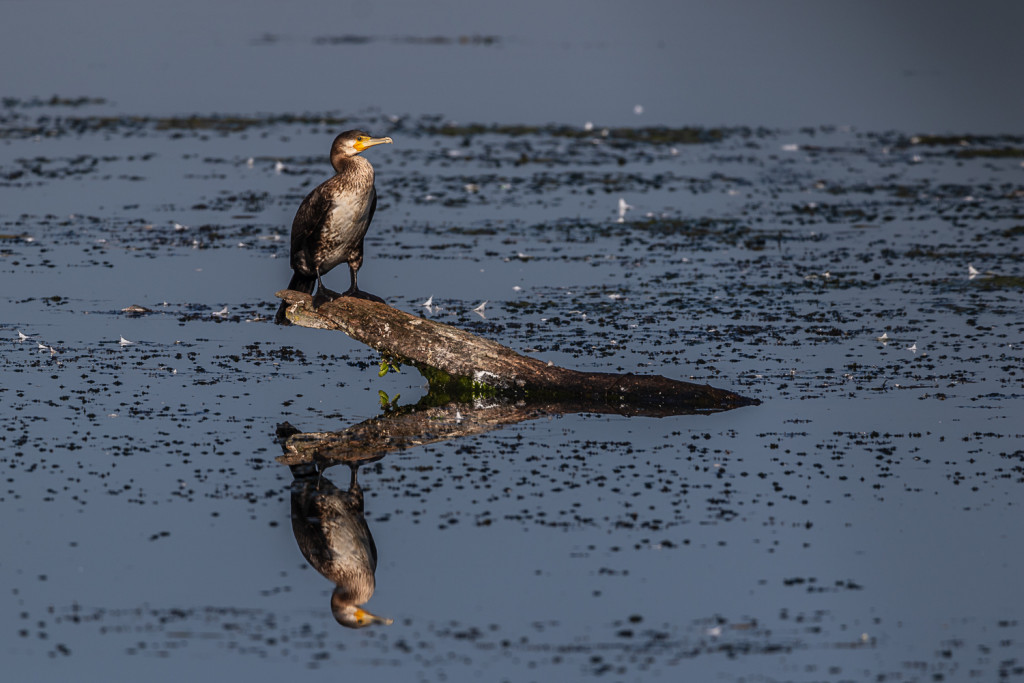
pixel 449 356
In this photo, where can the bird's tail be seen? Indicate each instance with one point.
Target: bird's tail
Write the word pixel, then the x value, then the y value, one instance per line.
pixel 300 283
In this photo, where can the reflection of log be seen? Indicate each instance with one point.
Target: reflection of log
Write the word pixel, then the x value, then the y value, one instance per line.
pixel 448 355
pixel 426 423
pixel 405 428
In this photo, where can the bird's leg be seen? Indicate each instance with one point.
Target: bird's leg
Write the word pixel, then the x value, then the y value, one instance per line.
pixel 353 289
pixel 323 295
pixel 354 489
pixel 355 292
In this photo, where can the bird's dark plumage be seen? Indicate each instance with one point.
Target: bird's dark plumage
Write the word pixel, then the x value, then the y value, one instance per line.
pixel 332 221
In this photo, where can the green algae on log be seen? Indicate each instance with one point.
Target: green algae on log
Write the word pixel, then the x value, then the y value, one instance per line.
pixel 446 355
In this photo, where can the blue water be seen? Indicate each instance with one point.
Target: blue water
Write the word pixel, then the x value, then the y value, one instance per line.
pixel 860 523
pixel 929 67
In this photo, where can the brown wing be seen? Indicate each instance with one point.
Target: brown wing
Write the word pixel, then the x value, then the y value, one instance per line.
pixel 309 221
pixel 373 206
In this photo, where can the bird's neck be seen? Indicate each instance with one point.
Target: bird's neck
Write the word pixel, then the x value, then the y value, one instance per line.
pixel 343 164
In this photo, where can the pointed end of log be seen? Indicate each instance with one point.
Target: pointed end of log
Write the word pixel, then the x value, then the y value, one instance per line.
pixel 300 310
pixel 294 297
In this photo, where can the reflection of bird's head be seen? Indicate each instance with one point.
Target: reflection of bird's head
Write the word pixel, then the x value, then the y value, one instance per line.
pixel 352 142
pixel 351 615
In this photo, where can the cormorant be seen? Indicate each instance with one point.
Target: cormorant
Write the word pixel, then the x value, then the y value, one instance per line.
pixel 332 534
pixel 332 220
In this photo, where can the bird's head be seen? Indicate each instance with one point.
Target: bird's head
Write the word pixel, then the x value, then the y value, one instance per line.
pixel 354 616
pixel 352 142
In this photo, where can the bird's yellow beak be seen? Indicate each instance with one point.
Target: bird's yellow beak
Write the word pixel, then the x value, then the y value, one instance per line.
pixel 362 616
pixel 365 143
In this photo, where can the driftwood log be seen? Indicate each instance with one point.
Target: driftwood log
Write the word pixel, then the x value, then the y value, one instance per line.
pixel 450 357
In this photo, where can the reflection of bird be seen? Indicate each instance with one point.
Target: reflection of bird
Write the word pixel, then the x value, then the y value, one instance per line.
pixel 332 220
pixel 332 534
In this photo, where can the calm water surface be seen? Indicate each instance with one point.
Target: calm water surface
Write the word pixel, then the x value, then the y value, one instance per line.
pixel 837 234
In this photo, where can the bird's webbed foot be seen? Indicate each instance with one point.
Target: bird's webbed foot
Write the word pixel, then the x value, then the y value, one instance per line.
pixel 324 295
pixel 357 293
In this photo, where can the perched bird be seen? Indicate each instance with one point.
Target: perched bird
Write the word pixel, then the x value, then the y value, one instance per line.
pixel 332 220
pixel 331 531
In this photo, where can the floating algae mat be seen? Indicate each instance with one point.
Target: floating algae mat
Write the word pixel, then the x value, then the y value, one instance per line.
pixel 861 523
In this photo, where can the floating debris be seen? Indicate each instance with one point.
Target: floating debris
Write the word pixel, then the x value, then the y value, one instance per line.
pixel 699 291
pixel 623 208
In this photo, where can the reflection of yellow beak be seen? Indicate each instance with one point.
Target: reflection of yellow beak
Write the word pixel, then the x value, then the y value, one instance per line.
pixel 362 616
pixel 360 145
